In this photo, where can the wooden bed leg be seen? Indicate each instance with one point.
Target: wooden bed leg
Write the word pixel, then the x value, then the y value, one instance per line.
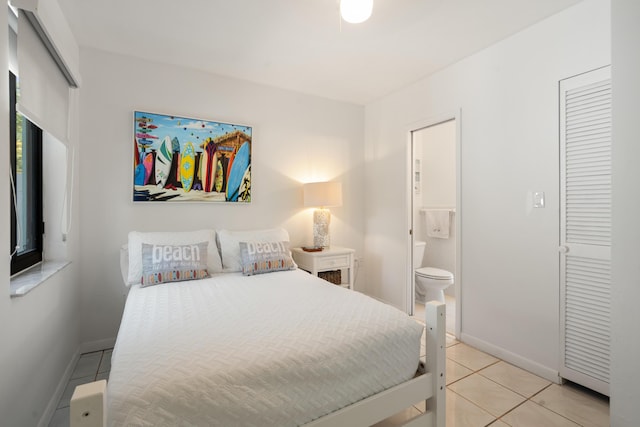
pixel 435 321
pixel 89 405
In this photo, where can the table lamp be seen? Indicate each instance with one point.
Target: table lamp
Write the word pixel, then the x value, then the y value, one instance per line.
pixel 321 195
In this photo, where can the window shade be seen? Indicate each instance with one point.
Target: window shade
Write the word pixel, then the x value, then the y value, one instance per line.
pixel 13 51
pixel 44 91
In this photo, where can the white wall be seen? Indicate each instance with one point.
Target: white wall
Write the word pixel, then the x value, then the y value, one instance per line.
pixel 508 96
pixel 297 138
pixel 39 332
pixel 625 346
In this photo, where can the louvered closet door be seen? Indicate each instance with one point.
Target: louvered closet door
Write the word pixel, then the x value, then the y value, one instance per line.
pixel 585 225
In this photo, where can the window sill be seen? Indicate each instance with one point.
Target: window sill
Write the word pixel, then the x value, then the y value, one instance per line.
pixel 23 283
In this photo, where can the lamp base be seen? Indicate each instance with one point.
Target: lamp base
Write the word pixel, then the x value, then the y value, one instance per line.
pixel 321 222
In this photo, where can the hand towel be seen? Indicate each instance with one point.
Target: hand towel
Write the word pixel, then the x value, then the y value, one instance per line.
pixel 438 223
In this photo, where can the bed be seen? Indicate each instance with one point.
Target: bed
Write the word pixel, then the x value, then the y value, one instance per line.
pixel 275 348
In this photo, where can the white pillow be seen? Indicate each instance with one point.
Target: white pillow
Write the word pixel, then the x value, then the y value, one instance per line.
pixel 173 263
pixel 124 263
pixel 136 239
pixel 230 244
pixel 265 257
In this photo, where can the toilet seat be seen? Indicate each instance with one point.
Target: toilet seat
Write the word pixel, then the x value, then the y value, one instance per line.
pixel 434 273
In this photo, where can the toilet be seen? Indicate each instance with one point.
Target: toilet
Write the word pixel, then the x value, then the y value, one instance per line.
pixel 430 282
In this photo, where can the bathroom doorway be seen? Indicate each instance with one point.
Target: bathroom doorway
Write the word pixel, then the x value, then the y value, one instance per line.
pixel 435 210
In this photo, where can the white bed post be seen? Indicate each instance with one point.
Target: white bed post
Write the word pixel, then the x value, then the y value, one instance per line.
pixel 89 405
pixel 435 341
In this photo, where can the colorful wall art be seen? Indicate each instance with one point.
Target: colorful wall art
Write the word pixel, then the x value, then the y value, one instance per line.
pixel 178 159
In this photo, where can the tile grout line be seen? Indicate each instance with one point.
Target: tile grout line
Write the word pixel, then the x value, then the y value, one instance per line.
pixel 497 383
pixel 502 385
pixel 549 409
pixel 538 392
pixel 507 387
pixel 529 399
pixel 477 406
pixel 95 377
pixel 511 410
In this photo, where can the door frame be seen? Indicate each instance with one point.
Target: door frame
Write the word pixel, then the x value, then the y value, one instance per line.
pixel 410 284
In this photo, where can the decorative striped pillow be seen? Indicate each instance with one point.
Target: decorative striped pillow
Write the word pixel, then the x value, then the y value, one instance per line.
pixel 173 263
pixel 265 257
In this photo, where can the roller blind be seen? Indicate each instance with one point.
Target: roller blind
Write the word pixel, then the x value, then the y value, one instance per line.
pixel 13 51
pixel 44 91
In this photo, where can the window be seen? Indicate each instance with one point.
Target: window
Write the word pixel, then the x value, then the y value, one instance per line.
pixel 27 225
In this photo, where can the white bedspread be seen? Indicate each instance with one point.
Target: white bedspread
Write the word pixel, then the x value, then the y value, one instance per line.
pixel 278 349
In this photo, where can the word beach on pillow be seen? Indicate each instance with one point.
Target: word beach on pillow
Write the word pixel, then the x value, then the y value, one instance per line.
pixel 133 268
pixel 230 244
pixel 173 263
pixel 265 257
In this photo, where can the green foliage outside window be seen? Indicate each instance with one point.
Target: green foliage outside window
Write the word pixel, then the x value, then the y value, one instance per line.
pixel 19 130
pixel 19 120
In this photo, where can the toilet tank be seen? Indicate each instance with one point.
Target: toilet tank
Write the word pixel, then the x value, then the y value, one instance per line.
pixel 418 253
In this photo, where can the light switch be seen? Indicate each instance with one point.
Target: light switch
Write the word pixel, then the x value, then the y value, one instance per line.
pixel 538 199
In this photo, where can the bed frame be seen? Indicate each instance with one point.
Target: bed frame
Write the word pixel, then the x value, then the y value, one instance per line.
pixel 89 403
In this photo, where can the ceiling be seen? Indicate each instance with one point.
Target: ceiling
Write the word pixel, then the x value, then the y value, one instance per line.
pixel 301 45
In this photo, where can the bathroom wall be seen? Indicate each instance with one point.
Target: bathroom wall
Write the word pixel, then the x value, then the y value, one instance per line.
pixel 435 147
pixel 507 96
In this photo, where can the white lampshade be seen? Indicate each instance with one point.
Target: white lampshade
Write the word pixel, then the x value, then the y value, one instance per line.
pixel 322 194
pixel 356 11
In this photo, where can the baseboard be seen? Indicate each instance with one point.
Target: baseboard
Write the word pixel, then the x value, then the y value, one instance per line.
pixel 47 415
pixel 86 347
pixel 91 346
pixel 515 359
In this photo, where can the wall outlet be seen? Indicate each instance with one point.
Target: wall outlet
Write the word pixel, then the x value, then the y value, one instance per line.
pixel 538 199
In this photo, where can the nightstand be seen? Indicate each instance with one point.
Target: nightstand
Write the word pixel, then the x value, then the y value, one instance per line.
pixel 331 259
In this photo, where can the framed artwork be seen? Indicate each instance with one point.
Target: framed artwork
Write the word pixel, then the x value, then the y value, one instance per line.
pixel 181 159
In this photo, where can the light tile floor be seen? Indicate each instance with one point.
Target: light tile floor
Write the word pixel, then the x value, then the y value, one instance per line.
pixel 90 367
pixel 481 391
pixel 485 391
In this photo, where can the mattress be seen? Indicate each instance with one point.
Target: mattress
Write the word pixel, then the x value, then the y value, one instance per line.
pixel 278 349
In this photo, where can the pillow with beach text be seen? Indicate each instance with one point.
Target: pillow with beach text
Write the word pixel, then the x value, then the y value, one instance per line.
pixel 173 263
pixel 229 242
pixel 265 257
pixel 137 238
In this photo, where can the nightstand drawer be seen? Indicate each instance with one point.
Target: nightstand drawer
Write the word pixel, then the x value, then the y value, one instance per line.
pixel 339 261
pixel 328 260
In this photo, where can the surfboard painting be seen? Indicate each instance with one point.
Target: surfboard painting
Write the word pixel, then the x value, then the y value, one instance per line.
pixel 181 159
pixel 207 165
pixel 219 178
pixel 163 162
pixel 244 193
pixel 187 166
pixel 148 165
pixel 237 171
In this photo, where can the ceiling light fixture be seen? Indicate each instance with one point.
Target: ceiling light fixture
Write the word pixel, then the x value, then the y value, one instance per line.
pixel 356 11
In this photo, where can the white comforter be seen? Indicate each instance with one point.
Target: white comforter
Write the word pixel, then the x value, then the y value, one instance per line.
pixel 278 349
